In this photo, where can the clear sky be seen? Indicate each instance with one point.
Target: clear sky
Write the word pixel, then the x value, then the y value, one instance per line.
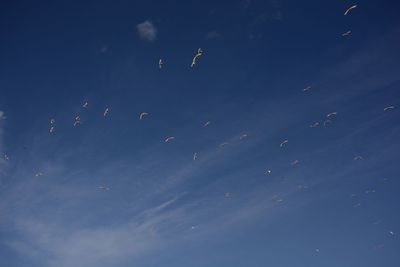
pixel 110 191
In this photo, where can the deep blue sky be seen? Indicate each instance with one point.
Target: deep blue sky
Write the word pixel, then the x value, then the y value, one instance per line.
pixel 162 207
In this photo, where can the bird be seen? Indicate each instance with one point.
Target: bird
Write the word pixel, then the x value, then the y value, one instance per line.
pixel 223 144
pixel 142 115
pixel 350 9
pixel 52 129
pixel 85 105
pixel 358 158
pixel 295 162
pixel 243 136
pixel 170 138
pixel 331 114
pixel 38 174
pixel 52 121
pixel 227 195
pixel 388 108
pixel 391 233
pixel 194 155
pixel 268 172
pixel 104 188
pixel 317 250
pixel 314 125
pixel 206 123
pixel 160 63
pixel 106 112
pixel 284 143
pixel 196 57
pixel 77 120
pixel 6 157
pixel 326 122
pixel 308 88
pixel 346 33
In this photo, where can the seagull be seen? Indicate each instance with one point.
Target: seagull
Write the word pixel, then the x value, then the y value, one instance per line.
pixel 223 144
pixel 6 157
pixel 346 33
pixel 142 115
pixel 52 121
pixel 243 136
pixel 349 9
pixel 77 120
pixel 160 63
pixel 195 156
pixel 358 158
pixel 327 122
pixel 317 250
pixel 104 188
pixel 52 129
pixel 106 112
pixel 388 108
pixel 170 138
pixel 85 105
pixel 206 123
pixel 391 233
pixel 308 88
pixel 284 143
pixel 268 172
pixel 331 114
pixel 39 174
pixel 314 125
pixel 227 195
pixel 196 57
pixel 295 162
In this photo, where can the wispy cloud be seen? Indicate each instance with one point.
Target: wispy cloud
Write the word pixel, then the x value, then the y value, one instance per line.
pixel 147 31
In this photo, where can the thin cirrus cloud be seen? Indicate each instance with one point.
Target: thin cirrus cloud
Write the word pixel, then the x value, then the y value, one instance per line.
pixel 147 31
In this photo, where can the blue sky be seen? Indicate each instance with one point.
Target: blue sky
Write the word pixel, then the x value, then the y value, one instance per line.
pixel 337 206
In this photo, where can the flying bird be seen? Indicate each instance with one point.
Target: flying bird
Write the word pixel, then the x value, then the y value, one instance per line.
pixel 346 33
pixel 227 195
pixel 52 121
pixel 243 136
pixel 350 9
pixel 160 63
pixel 388 108
pixel 331 114
pixel 77 121
pixel 104 188
pixel 358 158
pixel 206 123
pixel 223 144
pixel 195 156
pixel 6 157
pixel 391 233
pixel 295 162
pixel 106 112
pixel 327 122
pixel 85 105
pixel 142 115
pixel 314 125
pixel 284 143
pixel 268 172
pixel 308 88
pixel 39 174
pixel 196 57
pixel 52 129
pixel 170 138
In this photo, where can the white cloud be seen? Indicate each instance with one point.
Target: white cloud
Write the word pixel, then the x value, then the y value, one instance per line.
pixel 147 31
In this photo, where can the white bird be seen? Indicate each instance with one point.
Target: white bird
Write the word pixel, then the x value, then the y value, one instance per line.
pixel 142 115
pixel 243 136
pixel 38 174
pixel 346 33
pixel 284 143
pixel 227 195
pixel 308 88
pixel 349 9
pixel 106 112
pixel 295 162
pixel 104 188
pixel 160 63
pixel 388 108
pixel 223 144
pixel 195 156
pixel 52 121
pixel 317 250
pixel 6 157
pixel 77 120
pixel 170 138
pixel 331 114
pixel 391 233
pixel 196 57
pixel 52 129
pixel 314 125
pixel 327 122
pixel 268 172
pixel 85 105
pixel 206 123
pixel 358 158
